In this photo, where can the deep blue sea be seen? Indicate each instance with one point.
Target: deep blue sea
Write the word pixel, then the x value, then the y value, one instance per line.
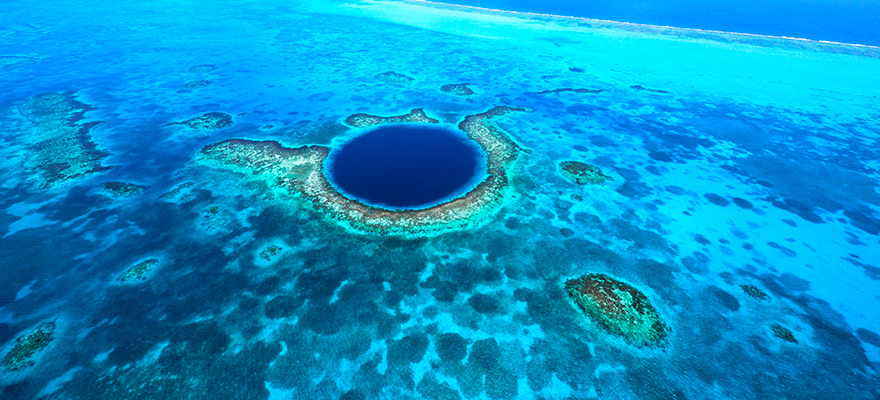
pixel 402 199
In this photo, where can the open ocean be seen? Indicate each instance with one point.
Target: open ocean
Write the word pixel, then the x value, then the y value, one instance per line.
pixel 386 199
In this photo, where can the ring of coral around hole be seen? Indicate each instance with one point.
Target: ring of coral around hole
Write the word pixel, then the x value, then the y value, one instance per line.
pixel 300 171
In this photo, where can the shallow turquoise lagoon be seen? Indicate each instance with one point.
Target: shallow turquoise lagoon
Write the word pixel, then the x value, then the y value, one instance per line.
pixel 663 213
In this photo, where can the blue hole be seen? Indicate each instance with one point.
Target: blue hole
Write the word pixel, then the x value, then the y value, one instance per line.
pixel 405 167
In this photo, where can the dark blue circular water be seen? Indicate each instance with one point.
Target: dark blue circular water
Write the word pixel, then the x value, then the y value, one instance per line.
pixel 405 167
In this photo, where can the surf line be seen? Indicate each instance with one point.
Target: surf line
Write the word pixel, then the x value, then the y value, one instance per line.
pixel 635 25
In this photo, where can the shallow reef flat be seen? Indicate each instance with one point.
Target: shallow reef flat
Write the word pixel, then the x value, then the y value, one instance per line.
pixel 60 147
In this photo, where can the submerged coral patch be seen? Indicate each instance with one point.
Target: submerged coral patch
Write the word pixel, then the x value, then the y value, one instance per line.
pixel 140 271
pixel 27 347
pixel 181 192
pixel 120 189
pixel 365 120
pixel 579 172
pixel 572 90
pixel 269 254
pixel 300 172
pixel 754 292
pixel 783 333
pixel 394 78
pixel 619 307
pixel 642 88
pixel 197 84
pixel 60 146
pixel 459 89
pixel 208 121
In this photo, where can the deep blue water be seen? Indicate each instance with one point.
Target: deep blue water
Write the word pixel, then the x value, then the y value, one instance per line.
pixel 846 21
pixel 404 167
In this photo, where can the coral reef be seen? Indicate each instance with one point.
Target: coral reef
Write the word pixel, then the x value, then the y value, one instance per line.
pixel 573 90
pixel 365 120
pixel 60 146
pixel 299 172
pixel 197 84
pixel 754 292
pixel 211 120
pixel 642 88
pixel 269 253
pixel 459 89
pixel 783 333
pixel 620 308
pixel 212 219
pixel 394 78
pixel 27 347
pixel 579 172
pixel 180 192
pixel 120 189
pixel 140 271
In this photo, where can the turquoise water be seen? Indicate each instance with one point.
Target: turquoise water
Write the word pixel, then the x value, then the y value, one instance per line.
pixel 742 203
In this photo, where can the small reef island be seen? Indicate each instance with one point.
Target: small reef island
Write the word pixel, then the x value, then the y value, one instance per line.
pixel 582 173
pixel 28 347
pixel 300 172
pixel 622 309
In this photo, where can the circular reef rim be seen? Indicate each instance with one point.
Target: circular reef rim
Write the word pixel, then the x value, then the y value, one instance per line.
pixel 299 172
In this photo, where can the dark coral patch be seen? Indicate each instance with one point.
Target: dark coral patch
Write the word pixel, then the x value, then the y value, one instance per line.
pixel 742 203
pixel 61 147
pixel 459 89
pixel 572 90
pixel 208 121
pixel 642 88
pixel 660 156
pixel 394 78
pixel 783 333
pixel 579 172
pixel 365 120
pixel 716 199
pixel 451 347
pixel 120 189
pixel 754 292
pixel 140 271
pixel 197 84
pixel 27 347
pixel 483 304
pixel 622 309
pixel 270 252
